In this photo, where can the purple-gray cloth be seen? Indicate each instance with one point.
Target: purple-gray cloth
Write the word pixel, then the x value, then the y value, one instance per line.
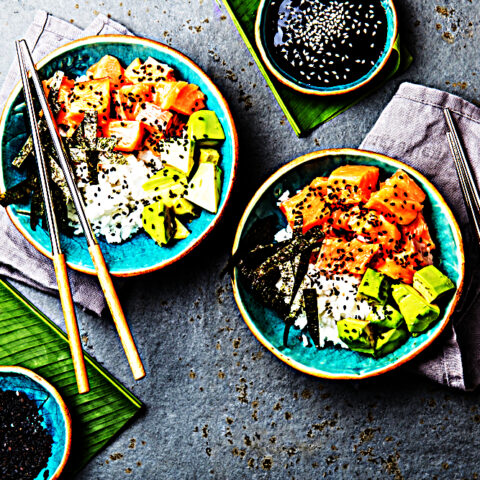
pixel 18 259
pixel 412 129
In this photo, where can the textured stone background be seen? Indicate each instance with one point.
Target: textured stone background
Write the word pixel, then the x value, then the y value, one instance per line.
pixel 219 405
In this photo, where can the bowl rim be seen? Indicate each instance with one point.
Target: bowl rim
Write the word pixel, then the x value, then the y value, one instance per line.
pixel 276 72
pixel 251 205
pixel 61 403
pixel 141 41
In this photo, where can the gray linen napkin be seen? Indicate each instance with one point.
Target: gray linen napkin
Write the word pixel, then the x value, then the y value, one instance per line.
pixel 412 129
pixel 18 259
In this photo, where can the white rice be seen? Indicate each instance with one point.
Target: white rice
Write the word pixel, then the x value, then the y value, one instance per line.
pixel 114 205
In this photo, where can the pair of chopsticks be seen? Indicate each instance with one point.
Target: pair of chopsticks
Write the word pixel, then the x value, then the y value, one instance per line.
pixel 26 64
pixel 464 172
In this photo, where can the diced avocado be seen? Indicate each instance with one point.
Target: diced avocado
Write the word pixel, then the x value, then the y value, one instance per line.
pixel 205 128
pixel 159 222
pixel 389 341
pixel 177 153
pixel 181 206
pixel 418 313
pixel 431 283
pixel 167 177
pixel 357 334
pixel 374 287
pixel 182 231
pixel 385 316
pixel 209 155
pixel 205 187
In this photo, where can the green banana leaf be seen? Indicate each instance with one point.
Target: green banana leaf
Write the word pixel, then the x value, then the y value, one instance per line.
pixel 29 339
pixel 305 112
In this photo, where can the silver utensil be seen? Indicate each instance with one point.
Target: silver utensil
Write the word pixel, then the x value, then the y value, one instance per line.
pixel 59 262
pixel 464 172
pixel 96 254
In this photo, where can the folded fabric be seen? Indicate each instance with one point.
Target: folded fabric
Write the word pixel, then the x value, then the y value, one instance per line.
pixel 412 129
pixel 18 259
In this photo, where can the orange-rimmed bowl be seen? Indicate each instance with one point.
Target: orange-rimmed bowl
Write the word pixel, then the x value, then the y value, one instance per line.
pixel 140 254
pixel 56 417
pixel 295 82
pixel 334 362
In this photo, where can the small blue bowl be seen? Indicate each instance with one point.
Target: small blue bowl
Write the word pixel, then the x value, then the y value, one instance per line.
pixel 56 418
pixel 334 362
pixel 140 254
pixel 303 87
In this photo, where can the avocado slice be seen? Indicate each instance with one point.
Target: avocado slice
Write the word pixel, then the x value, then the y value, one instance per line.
pixel 159 222
pixel 389 341
pixel 385 316
pixel 209 155
pixel 167 177
pixel 205 128
pixel 182 231
pixel 357 334
pixel 205 187
pixel 431 283
pixel 374 287
pixel 177 153
pixel 417 312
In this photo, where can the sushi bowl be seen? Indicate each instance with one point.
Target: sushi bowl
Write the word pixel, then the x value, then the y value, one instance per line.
pixel 139 254
pixel 331 361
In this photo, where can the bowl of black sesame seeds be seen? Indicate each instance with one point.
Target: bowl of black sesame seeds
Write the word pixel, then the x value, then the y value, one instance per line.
pixel 325 47
pixel 35 427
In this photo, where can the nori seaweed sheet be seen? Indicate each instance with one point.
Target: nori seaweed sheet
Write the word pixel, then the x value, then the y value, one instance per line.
pixel 54 89
pixel 310 302
pixel 90 127
pixel 106 144
pixel 27 150
pixel 19 193
pixel 37 207
pixel 295 246
pixel 262 232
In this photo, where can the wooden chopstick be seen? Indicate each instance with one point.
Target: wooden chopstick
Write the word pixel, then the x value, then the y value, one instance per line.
pixel 465 175
pixel 101 268
pixel 59 263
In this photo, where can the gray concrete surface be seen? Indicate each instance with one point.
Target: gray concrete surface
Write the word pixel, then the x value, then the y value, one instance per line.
pixel 219 405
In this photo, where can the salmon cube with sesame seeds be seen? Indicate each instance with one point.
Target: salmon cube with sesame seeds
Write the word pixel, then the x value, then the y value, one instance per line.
pixel 189 100
pixel 108 67
pixel 396 208
pixel 129 134
pixel 132 97
pixel 340 256
pixel 154 118
pixel 149 71
pixel 351 184
pixel 403 261
pixel 405 185
pixel 309 204
pixel 91 95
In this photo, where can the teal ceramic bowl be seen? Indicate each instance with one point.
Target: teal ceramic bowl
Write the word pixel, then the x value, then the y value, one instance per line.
pixel 56 418
pixel 334 362
pixel 140 254
pixel 301 86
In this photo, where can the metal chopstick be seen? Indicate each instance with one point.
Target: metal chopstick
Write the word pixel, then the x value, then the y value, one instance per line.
pixel 463 184
pixel 469 177
pixel 101 268
pixel 59 262
pixel 465 175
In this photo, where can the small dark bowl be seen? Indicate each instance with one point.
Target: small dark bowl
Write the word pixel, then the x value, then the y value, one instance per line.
pixel 299 84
